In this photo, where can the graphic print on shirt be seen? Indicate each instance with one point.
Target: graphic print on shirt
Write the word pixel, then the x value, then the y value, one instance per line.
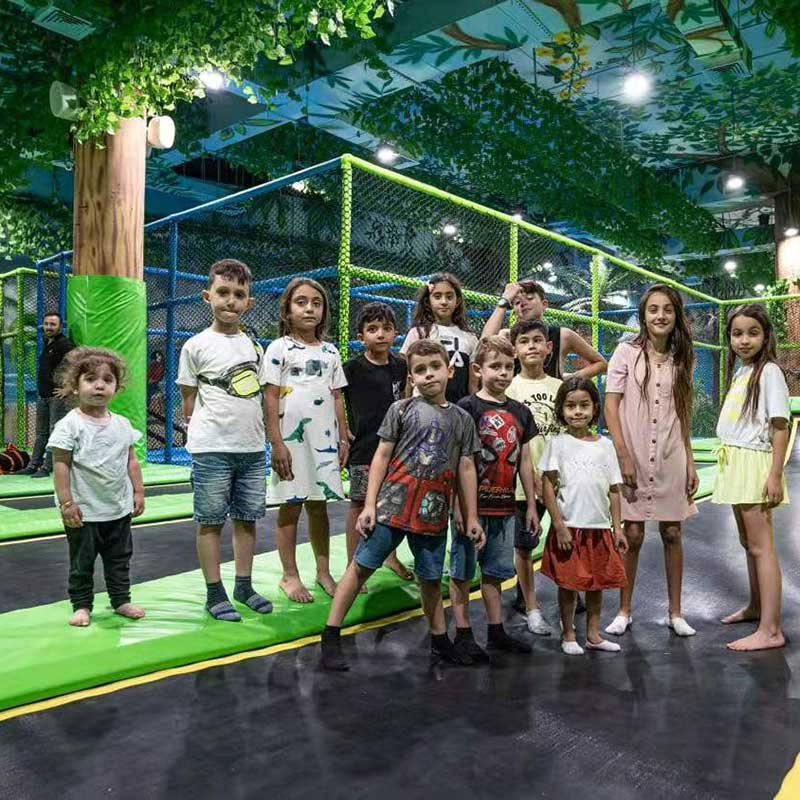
pixel 734 401
pixel 417 494
pixel 499 433
pixel 542 406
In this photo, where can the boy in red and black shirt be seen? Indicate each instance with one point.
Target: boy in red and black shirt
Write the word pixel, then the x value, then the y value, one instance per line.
pixel 505 427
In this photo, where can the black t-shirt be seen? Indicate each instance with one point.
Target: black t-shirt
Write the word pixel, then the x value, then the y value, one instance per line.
pixel 371 389
pixel 53 353
pixel 502 429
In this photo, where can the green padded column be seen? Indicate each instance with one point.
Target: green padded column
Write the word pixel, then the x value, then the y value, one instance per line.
pixel 111 311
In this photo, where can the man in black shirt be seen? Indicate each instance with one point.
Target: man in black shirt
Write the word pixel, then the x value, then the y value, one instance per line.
pixel 50 406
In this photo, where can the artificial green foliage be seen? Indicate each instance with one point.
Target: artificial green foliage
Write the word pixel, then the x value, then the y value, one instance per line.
pixel 784 14
pixel 33 229
pixel 490 132
pixel 144 58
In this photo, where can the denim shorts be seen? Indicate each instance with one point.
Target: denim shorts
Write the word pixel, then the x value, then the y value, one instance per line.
pixel 496 558
pixel 229 484
pixel 429 550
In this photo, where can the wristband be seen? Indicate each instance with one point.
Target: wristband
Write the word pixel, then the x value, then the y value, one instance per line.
pixel 504 302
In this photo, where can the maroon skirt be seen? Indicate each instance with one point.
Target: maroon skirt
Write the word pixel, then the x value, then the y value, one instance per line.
pixel 591 565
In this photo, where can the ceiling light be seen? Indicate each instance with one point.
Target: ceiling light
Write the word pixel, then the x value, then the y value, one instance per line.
pixel 789 232
pixel 734 182
pixel 517 216
pixel 386 154
pixel 212 78
pixel 729 266
pixel 547 265
pixel 636 85
pixel 449 229
pixel 759 287
pixel 299 186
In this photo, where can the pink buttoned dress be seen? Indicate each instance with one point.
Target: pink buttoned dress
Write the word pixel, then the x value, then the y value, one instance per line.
pixel 652 433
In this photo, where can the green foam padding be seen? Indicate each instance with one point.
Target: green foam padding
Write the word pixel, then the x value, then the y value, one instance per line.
pixel 705 444
pixel 794 405
pixel 26 486
pixel 16 524
pixel 43 657
pixel 705 457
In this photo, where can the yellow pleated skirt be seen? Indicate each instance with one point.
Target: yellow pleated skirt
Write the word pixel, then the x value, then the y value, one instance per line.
pixel 741 476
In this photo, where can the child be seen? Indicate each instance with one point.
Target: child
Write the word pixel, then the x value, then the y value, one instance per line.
pixel 222 376
pixel 375 379
pixel 440 315
pixel 98 481
pixel 581 477
pixel 307 429
pixel 528 300
pixel 753 432
pixel 537 391
pixel 648 408
pixel 424 441
pixel 505 427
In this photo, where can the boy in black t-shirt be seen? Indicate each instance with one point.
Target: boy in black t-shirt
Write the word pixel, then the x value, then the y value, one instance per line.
pixel 375 379
pixel 505 427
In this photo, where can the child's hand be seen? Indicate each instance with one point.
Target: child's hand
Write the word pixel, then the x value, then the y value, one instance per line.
pixel 366 522
pixel 458 519
pixel 344 452
pixel 476 535
pixel 692 481
pixel 628 470
pixel 537 485
pixel 532 521
pixel 282 462
pixel 620 542
pixel 563 537
pixel 511 291
pixel 72 516
pixel 138 503
pixel 773 490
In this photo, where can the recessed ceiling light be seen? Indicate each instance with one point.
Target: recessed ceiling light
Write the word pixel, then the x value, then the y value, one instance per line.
pixel 212 78
pixel 449 229
pixel 734 183
pixel 789 232
pixel 386 154
pixel 759 287
pixel 729 266
pixel 636 85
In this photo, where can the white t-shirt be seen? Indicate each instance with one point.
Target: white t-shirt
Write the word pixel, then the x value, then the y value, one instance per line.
pixel 586 471
pixel 743 430
pixel 228 414
pixel 98 479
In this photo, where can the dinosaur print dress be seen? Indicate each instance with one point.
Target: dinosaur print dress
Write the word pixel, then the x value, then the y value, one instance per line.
pixel 307 376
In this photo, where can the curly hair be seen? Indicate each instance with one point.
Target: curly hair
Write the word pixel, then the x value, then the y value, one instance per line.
pixel 423 319
pixel 86 360
pixel 285 304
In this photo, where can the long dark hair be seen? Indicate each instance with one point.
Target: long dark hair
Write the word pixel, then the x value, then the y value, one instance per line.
pixel 423 319
pixel 679 344
pixel 284 323
pixel 768 353
pixel 576 383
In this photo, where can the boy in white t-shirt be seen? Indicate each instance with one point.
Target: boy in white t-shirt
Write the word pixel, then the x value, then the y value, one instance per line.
pixel 98 481
pixel 222 377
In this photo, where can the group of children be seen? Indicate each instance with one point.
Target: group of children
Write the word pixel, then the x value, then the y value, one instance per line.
pixel 480 436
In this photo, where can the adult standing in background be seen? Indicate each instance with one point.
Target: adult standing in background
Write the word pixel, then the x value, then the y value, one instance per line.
pixel 51 404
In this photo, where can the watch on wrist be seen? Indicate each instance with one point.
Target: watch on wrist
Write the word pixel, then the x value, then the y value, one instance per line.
pixel 504 302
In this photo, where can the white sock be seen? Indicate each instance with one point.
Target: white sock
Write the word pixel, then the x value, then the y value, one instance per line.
pixel 537 623
pixel 619 625
pixel 681 626
pixel 572 648
pixel 608 647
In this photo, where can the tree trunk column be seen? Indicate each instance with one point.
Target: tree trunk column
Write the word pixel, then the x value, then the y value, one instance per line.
pixel 106 301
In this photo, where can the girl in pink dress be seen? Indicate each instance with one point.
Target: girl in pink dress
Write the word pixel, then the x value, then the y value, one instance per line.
pixel 647 409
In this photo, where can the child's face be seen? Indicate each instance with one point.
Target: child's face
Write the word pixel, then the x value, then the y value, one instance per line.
pixel 378 336
pixel 747 337
pixel 228 299
pixel 532 348
pixel 444 301
pixel 496 372
pixel 528 306
pixel 95 389
pixel 306 309
pixel 578 409
pixel 659 316
pixel 429 375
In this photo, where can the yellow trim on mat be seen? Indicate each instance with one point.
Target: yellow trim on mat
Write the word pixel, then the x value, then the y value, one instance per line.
pixel 790 788
pixel 116 686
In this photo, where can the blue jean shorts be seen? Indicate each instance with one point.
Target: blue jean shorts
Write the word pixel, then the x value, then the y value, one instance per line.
pixel 496 558
pixel 428 550
pixel 229 484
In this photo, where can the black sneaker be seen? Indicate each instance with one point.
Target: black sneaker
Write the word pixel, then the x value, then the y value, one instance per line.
pixel 519 602
pixel 467 646
pixel 41 473
pixel 507 644
pixel 332 656
pixel 443 649
pixel 29 470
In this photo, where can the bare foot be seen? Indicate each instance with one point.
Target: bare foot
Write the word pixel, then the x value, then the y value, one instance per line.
pixel 294 589
pixel 745 614
pixel 130 611
pixel 81 618
pixel 327 584
pixel 758 641
pixel 398 567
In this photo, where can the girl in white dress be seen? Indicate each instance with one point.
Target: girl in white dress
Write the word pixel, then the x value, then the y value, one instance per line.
pixel 306 428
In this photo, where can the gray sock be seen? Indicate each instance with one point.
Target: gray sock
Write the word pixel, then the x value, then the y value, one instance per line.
pixel 245 593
